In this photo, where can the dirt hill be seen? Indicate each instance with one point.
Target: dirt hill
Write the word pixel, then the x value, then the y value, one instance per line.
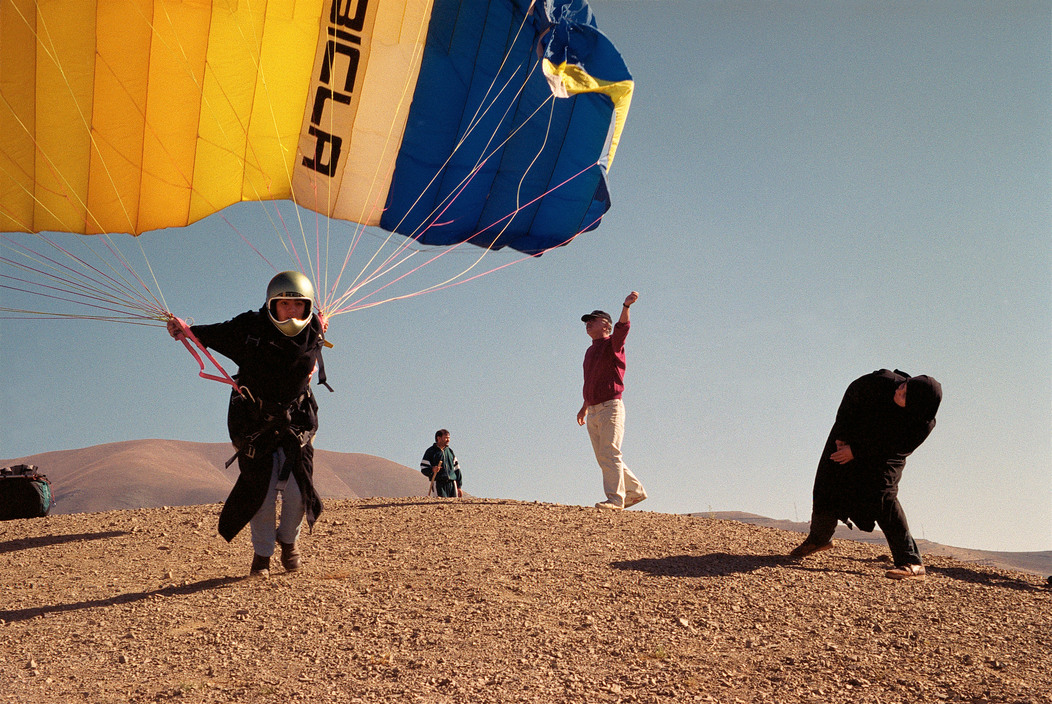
pixel 418 600
pixel 156 473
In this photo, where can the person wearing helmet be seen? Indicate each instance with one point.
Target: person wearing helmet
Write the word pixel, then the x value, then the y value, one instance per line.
pixel 273 420
pixel 882 419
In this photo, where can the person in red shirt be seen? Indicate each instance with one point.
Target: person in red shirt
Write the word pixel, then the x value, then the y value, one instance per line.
pixel 604 382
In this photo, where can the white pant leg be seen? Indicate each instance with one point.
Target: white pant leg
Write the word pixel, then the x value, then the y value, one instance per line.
pixel 292 510
pixel 262 524
pixel 634 491
pixel 264 533
pixel 606 428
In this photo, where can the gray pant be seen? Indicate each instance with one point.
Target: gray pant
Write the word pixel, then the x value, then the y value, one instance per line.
pixel 287 530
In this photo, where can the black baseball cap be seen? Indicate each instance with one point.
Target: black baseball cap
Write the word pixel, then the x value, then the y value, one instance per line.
pixel 597 314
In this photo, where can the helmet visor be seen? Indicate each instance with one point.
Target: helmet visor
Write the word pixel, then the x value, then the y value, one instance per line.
pixel 290 314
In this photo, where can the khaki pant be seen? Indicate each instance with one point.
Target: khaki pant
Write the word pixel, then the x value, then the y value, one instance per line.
pixel 606 427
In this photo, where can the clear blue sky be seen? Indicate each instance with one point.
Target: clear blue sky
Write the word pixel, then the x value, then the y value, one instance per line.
pixel 805 192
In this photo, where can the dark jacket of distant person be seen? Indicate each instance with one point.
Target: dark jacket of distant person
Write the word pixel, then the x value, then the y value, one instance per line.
pixel 450 471
pixel 278 411
pixel 881 435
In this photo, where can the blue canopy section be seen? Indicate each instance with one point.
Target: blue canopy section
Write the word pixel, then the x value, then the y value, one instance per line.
pixel 488 156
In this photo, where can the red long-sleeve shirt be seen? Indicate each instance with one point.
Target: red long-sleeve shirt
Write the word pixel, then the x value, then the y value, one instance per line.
pixel 604 367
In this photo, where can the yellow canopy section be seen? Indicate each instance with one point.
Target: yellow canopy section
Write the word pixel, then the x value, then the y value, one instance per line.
pixel 132 115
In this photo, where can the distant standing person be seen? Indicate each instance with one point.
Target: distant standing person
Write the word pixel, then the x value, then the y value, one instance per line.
pixel 441 467
pixel 883 417
pixel 604 382
pixel 273 421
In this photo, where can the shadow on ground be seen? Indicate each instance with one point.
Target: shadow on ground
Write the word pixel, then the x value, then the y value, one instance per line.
pixel 426 501
pixel 724 564
pixel 44 541
pixel 712 565
pixel 192 588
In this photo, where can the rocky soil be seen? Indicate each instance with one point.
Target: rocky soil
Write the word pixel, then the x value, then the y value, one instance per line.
pixel 418 600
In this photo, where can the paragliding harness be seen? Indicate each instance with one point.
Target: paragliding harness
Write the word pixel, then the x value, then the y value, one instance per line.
pixel 256 425
pixel 258 428
pixel 190 341
pixel 24 493
pixel 250 419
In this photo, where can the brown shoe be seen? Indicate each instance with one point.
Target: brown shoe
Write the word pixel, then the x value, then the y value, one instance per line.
pixel 906 572
pixel 290 556
pixel 260 566
pixel 805 548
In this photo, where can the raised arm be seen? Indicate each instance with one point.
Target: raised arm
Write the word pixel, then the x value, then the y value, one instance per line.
pixel 629 300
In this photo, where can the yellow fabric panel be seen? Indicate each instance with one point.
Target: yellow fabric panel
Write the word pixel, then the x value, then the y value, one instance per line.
pixel 574 80
pixel 228 89
pixel 115 172
pixel 17 122
pixel 371 120
pixel 158 115
pixel 286 60
pixel 386 95
pixel 621 93
pixel 258 71
pixel 176 74
pixel 65 61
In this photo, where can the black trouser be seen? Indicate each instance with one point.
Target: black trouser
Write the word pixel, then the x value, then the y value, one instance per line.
pixel 892 521
pixel 446 488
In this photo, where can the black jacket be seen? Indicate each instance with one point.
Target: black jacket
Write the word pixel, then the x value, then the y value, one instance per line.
pixel 881 435
pixel 276 410
pixel 450 470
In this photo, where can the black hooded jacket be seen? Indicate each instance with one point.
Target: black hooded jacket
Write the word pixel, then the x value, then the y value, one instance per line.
pixel 278 410
pixel 881 435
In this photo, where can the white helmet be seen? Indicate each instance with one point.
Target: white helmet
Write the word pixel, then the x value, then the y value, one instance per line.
pixel 290 284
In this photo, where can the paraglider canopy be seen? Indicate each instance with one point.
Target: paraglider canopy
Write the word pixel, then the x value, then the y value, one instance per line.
pixel 434 119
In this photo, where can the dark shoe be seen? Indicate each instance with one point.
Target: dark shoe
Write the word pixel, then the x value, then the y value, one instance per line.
pixel 260 566
pixel 805 548
pixel 290 556
pixel 906 572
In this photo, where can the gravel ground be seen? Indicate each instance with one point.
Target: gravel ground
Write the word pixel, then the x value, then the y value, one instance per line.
pixel 421 600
